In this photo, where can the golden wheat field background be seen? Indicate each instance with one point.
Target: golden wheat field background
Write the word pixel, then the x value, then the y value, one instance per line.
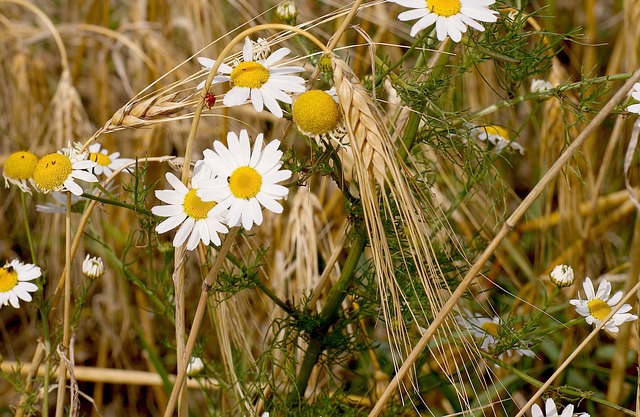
pixel 442 227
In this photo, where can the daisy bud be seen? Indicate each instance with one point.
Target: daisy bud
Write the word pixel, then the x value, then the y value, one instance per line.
pixel 540 85
pixel 287 12
pixel 195 366
pixel 562 276
pixel 92 267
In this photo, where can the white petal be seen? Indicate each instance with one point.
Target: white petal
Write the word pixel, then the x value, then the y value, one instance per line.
pixel 276 56
pixel 176 183
pixel 170 223
pixel 236 96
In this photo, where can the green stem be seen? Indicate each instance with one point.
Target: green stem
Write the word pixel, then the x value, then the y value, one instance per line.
pixel 402 58
pixel 117 203
pixel 409 136
pixel 541 95
pixel 27 228
pixel 329 313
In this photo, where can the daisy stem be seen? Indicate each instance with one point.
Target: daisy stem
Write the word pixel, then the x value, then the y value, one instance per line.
pixel 66 330
pixel 329 314
pixel 182 360
pixel 402 58
pixel 118 203
pixel 542 94
pixel 197 319
pixel 437 65
pixel 27 228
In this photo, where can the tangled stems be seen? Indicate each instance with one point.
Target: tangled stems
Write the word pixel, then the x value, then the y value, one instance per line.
pixel 197 320
pixel 329 314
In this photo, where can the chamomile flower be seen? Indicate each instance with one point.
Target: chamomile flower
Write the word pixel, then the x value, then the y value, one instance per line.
pixel 497 136
pixel 14 282
pixel 19 168
pixel 317 115
pixel 552 411
pixel 262 81
pixel 598 305
pixel 59 171
pixel 244 180
pixel 197 221
pixel 106 163
pixel 450 16
pixel 487 330
pixel 635 93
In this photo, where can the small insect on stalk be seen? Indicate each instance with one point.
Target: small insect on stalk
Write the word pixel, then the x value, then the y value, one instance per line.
pixel 209 100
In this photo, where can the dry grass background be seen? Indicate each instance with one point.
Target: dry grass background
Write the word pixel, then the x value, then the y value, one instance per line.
pixel 124 52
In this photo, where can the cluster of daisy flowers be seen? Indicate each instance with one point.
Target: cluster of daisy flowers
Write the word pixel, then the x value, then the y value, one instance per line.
pixel 228 188
pixel 262 79
pixel 595 308
pixel 60 171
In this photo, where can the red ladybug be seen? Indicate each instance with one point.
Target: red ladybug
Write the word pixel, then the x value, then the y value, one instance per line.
pixel 209 100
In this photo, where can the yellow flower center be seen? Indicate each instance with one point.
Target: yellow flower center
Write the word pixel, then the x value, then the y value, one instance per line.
pixel 444 8
pixel 52 171
pixel 20 165
pixel 497 130
pixel 195 208
pixel 491 328
pixel 249 74
pixel 598 308
pixel 316 112
pixel 8 279
pixel 245 182
pixel 100 158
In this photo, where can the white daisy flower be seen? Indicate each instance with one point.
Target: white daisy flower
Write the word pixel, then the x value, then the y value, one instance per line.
pixel 450 16
pixel 14 282
pixel 262 81
pixel 487 330
pixel 58 171
pixel 497 136
pixel 19 168
pixel 244 180
pixel 598 305
pixel 105 163
pixel 93 267
pixel 552 411
pixel 197 221
pixel 635 93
